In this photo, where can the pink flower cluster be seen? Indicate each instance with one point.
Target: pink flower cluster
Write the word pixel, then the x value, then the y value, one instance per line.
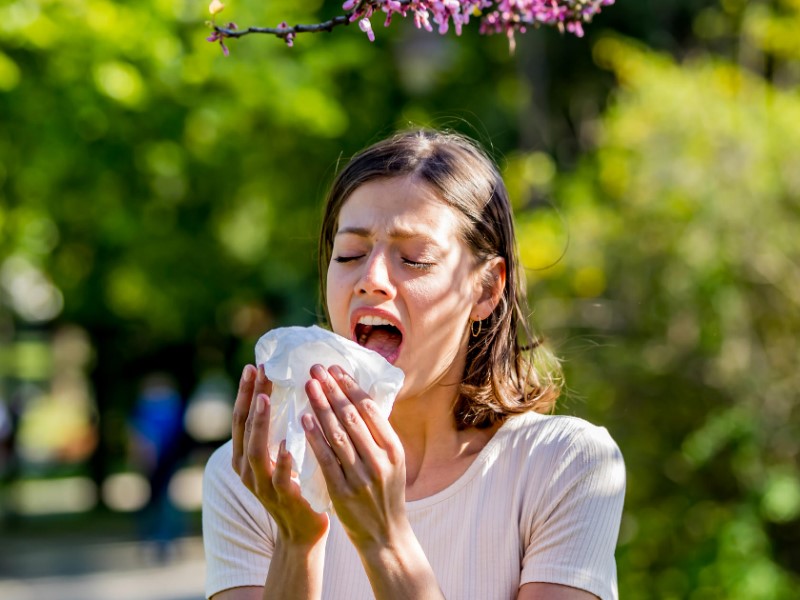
pixel 219 36
pixel 497 16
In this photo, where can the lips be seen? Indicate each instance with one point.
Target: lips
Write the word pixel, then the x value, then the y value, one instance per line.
pixel 379 333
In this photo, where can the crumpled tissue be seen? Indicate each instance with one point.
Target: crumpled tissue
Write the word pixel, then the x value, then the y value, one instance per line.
pixel 287 355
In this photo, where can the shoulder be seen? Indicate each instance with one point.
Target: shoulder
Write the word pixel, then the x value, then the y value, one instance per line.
pixel 559 435
pixel 562 451
pixel 222 488
pixel 219 467
pixel 223 453
pixel 227 503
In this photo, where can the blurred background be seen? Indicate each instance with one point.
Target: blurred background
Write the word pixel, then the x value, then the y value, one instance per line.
pixel 159 204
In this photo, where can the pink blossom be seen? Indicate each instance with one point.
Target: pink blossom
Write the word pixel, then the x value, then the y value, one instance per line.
pixel 287 37
pixel 219 36
pixel 365 26
pixel 421 19
pixel 575 27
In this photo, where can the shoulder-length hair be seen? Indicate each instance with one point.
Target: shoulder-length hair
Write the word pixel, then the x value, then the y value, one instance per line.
pixel 508 371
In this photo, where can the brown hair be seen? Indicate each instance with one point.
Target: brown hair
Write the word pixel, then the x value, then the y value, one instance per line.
pixel 508 371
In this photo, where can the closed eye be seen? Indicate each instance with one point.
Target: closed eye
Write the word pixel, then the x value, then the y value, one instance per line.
pixel 423 266
pixel 347 259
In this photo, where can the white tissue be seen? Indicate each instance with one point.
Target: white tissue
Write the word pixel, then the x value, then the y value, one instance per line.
pixel 287 354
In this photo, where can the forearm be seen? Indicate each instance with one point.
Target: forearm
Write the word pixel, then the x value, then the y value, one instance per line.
pixel 363 462
pixel 400 570
pixel 295 573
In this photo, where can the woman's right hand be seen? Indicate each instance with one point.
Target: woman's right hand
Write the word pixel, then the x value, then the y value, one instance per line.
pixel 270 481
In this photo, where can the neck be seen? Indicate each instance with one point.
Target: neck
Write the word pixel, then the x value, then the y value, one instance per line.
pixel 426 427
pixel 427 430
pixel 424 420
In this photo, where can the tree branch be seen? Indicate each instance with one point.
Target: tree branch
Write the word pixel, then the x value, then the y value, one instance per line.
pixel 283 31
pixel 496 16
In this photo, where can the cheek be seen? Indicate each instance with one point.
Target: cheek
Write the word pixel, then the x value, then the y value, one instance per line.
pixel 447 299
pixel 452 287
pixel 334 292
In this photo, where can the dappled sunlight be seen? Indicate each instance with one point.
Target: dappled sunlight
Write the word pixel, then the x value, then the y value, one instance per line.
pixel 186 488
pixel 125 492
pixel 53 496
pixel 30 292
pixel 208 418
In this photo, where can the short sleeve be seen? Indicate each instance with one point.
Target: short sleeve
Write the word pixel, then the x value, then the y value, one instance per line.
pixel 238 533
pixel 573 532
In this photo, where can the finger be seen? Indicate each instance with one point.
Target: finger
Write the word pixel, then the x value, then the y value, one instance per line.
pixel 282 474
pixel 241 411
pixel 261 385
pixel 328 462
pixel 343 404
pixel 377 424
pixel 321 389
pixel 258 441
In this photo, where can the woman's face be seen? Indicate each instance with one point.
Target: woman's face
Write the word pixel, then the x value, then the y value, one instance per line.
pixel 402 282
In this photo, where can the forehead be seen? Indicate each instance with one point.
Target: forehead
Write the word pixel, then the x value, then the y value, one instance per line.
pixel 400 207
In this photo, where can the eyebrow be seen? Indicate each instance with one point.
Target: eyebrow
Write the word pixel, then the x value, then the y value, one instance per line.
pixel 399 234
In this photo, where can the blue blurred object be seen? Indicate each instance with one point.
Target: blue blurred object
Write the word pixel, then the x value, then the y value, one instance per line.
pixel 156 442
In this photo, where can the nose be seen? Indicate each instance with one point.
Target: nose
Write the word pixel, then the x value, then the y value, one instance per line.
pixel 376 278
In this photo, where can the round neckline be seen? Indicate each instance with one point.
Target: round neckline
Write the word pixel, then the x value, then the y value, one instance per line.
pixel 489 451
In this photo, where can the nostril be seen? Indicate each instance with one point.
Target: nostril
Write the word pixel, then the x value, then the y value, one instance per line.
pixel 373 285
pixel 372 290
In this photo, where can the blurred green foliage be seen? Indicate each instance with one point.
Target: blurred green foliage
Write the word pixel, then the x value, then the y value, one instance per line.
pixel 166 199
pixel 682 267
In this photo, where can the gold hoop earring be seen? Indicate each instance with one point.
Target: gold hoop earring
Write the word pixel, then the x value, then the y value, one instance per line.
pixel 472 328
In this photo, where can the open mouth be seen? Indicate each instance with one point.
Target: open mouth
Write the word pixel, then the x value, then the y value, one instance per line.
pixel 380 335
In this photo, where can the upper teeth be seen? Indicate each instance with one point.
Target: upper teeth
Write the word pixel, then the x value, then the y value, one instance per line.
pixel 373 320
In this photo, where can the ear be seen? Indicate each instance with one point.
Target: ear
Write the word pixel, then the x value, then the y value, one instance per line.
pixel 492 279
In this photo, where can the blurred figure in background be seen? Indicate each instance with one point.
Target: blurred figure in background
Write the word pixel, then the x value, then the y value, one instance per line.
pixel 156 444
pixel 6 439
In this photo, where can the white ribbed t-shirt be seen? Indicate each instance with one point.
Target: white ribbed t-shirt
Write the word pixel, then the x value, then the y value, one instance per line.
pixel 542 502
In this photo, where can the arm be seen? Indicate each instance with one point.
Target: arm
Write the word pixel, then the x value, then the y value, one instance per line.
pixel 293 573
pixel 399 569
pixel 295 569
pixel 240 593
pixel 363 462
pixel 552 591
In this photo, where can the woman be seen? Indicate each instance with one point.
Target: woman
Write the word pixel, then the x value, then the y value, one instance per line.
pixel 467 490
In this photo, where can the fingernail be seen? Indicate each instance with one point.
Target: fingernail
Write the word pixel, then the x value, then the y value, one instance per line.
pixel 337 371
pixel 282 448
pixel 308 422
pixel 247 374
pixel 261 403
pixel 319 372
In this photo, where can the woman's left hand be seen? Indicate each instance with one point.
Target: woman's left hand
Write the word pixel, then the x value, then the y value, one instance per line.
pixel 361 458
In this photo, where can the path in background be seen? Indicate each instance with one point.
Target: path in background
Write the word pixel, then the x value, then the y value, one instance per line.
pixel 102 571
